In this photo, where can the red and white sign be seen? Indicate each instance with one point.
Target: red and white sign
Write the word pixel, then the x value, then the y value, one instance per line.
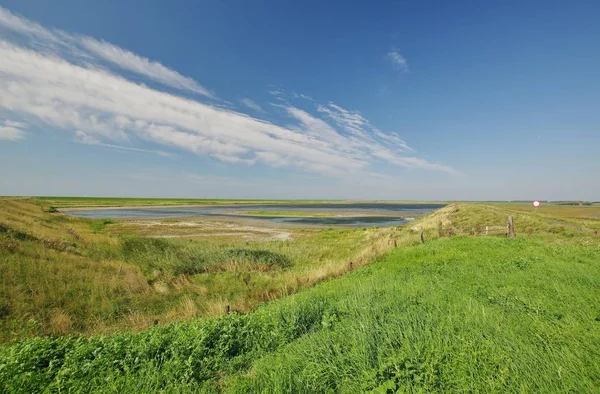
pixel 536 203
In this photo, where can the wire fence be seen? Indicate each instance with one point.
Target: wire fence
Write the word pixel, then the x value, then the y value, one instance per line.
pixel 507 230
pixel 480 230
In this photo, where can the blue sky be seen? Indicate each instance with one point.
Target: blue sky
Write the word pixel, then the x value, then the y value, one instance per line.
pixel 312 99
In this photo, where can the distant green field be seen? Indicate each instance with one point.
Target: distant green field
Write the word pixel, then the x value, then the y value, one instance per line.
pixel 551 209
pixel 77 202
pixel 71 202
pixel 83 202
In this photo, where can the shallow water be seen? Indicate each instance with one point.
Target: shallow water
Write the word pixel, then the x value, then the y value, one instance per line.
pixel 353 215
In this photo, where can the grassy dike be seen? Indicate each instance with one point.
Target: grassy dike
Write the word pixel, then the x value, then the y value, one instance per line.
pixel 473 314
pixel 65 275
pixel 460 314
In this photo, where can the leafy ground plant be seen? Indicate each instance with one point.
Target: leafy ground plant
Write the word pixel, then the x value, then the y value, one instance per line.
pixel 455 314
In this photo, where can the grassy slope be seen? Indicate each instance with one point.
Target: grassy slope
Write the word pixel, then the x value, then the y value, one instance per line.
pixel 462 314
pixel 487 315
pixel 526 222
pixel 65 275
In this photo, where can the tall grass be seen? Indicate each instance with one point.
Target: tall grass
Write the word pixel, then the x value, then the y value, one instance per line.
pixel 64 275
pixel 452 315
pixel 190 258
pixel 483 315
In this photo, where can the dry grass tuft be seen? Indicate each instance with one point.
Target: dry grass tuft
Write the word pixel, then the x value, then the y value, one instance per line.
pixel 161 287
pixel 187 308
pixel 215 307
pixel 60 322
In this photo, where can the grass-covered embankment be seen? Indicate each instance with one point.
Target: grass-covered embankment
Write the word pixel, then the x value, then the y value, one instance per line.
pixel 65 275
pixel 459 314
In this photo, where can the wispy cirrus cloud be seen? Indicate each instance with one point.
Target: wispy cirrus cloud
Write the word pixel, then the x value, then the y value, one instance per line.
pixel 360 127
pixel 251 104
pixel 61 79
pixel 398 61
pixel 88 49
pixel 11 130
pixel 87 139
pixel 141 65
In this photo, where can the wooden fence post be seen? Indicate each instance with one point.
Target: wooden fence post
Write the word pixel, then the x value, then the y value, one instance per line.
pixel 511 227
pixel 486 230
pixel 422 237
pixel 395 244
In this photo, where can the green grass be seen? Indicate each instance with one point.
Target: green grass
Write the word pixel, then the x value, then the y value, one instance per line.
pixel 461 314
pixel 74 202
pixel 190 258
pixel 554 209
pixel 100 224
pixel 82 202
pixel 66 275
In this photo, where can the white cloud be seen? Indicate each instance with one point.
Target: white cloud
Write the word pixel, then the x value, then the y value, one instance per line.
pixel 55 40
pixel 386 146
pixel 278 94
pixel 142 65
pixel 14 23
pixel 251 104
pixel 11 131
pixel 303 96
pixel 8 133
pixel 107 106
pixel 317 128
pixel 273 158
pixel 397 60
pixel 106 109
pixel 233 159
pixel 86 139
pixel 415 162
pixel 11 123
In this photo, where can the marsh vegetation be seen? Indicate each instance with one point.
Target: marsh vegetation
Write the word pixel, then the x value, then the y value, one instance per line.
pixel 69 275
pixel 461 313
